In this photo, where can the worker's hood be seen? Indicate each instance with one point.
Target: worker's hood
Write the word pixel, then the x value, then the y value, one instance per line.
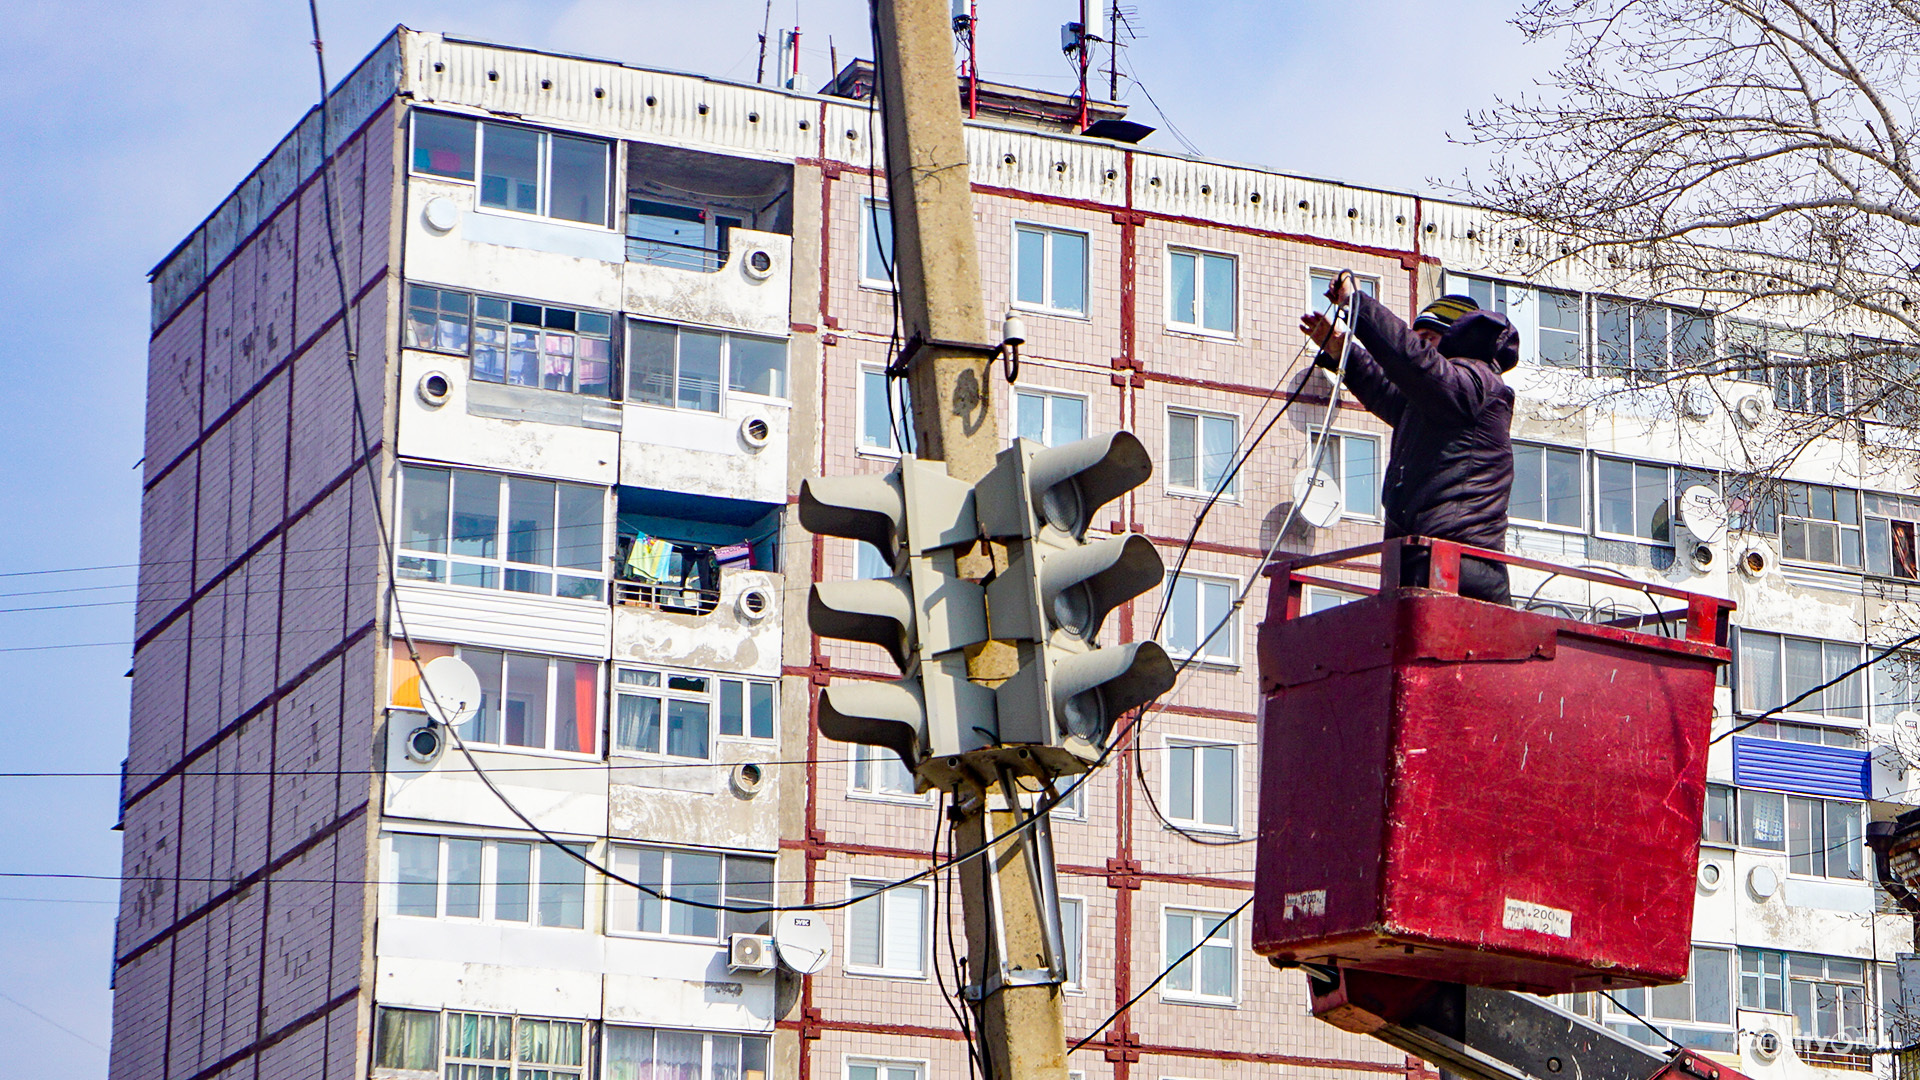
pixel 1483 335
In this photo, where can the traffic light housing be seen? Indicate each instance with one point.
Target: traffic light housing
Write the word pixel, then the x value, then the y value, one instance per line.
pixel 924 616
pixel 1057 590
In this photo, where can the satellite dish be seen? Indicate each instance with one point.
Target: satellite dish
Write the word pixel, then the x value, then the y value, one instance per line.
pixel 1907 721
pixel 449 690
pixel 1703 512
pixel 803 940
pixel 1319 497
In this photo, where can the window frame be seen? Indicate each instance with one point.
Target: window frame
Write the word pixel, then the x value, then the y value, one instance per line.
pixel 487 882
pixel 1586 477
pixel 1317 292
pixel 512 1064
pixel 1633 371
pixel 552 716
pixel 713 697
pixel 1199 489
pixel 872 212
pixel 1048 397
pixel 1336 444
pixel 1784 514
pixel 1824 715
pixel 1196 822
pixel 867 890
pixel 1230 632
pixel 902 422
pixel 1170 993
pixel 1049 280
pixel 707 1037
pixel 724 384
pixel 861 754
pixel 880 1065
pixel 1076 954
pixel 510 324
pixel 625 900
pixel 1674 473
pixel 1201 311
pixel 544 156
pixel 1885 514
pixel 498 567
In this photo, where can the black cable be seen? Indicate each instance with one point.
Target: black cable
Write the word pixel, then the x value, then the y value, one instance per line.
pixel 1157 979
pixel 933 907
pixel 1226 480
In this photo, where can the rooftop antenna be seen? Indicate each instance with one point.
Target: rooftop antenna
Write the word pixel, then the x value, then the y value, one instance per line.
pixel 966 21
pixel 766 24
pixel 1076 39
pixel 1118 18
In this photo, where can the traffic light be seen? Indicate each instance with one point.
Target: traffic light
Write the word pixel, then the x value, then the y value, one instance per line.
pixel 1058 589
pixel 924 616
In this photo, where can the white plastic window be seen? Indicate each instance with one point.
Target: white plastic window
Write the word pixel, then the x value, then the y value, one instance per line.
pixel 1201 291
pixel 1050 269
pixel 1203 784
pixel 887 931
pixel 1210 975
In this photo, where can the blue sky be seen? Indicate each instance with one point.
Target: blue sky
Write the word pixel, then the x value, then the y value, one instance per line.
pixel 123 125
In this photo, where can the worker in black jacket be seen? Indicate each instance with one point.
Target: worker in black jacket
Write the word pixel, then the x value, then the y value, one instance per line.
pixel 1438 384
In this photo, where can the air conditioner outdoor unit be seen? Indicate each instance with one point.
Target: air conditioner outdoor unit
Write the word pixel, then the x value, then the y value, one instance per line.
pixel 749 952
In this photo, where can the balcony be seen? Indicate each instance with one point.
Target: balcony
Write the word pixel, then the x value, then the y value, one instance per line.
pixel 708 238
pixel 697 580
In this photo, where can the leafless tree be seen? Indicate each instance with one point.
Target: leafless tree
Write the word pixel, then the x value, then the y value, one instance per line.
pixel 1757 155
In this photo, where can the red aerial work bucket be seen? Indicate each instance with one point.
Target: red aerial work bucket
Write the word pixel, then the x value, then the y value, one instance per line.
pixel 1459 791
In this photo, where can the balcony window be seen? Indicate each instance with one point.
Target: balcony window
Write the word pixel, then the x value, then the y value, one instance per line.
pixel 677 713
pixel 1827 995
pixel 1777 668
pixel 1820 524
pixel 515 342
pixel 634 1053
pixel 688 881
pixel 1642 341
pixel 1634 499
pixel 521 169
pixel 465 527
pixel 1202 622
pixel 1890 527
pixel 485 880
pixel 1547 486
pixel 485 1046
pixel 1697 1014
pixel 684 368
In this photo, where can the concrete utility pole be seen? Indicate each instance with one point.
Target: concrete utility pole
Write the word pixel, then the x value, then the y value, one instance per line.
pixel 1009 896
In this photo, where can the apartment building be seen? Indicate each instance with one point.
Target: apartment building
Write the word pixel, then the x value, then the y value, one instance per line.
pixel 534 390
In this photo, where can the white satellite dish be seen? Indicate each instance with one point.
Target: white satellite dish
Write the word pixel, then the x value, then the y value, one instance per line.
pixel 1703 512
pixel 449 690
pixel 1319 497
pixel 803 940
pixel 1907 721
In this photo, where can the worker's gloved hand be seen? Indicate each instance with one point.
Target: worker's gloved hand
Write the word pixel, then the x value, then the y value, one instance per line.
pixel 1320 330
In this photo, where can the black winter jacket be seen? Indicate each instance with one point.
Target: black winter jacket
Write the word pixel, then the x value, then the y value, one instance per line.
pixel 1450 469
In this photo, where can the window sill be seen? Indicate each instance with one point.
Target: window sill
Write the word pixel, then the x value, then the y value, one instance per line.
pixel 1547 526
pixel 877 973
pixel 1211 1003
pixel 1228 337
pixel 672 408
pixel 651 758
pixel 1052 313
pixel 872 285
pixel 1231 498
pixel 877 452
pixel 1202 662
pixel 896 800
pixel 1196 827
